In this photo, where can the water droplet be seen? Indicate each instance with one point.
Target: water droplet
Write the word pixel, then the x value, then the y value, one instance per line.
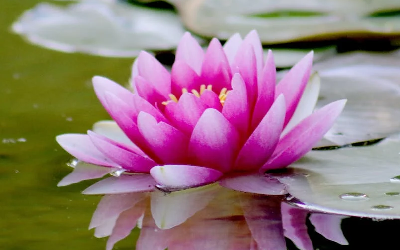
pixel 21 140
pixel 117 173
pixel 8 140
pixel 354 196
pixel 381 207
pixel 16 171
pixel 392 193
pixel 395 179
pixel 73 163
pixel 69 119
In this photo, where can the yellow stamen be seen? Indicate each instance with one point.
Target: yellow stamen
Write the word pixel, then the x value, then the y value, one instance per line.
pixel 173 97
pixel 222 93
pixel 202 88
pixel 196 93
pixel 222 99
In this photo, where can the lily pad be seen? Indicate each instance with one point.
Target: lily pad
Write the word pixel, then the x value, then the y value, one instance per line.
pixel 291 20
pixel 371 84
pixel 355 181
pixel 285 58
pixel 107 28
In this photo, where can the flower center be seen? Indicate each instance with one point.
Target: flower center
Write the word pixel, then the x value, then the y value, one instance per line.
pixel 222 94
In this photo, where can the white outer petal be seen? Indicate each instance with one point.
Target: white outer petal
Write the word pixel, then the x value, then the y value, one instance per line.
pixel 306 104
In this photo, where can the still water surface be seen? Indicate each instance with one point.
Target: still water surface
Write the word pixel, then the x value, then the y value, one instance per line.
pixel 45 93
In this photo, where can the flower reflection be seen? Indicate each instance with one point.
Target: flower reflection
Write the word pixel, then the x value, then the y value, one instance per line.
pixel 209 217
pixel 218 116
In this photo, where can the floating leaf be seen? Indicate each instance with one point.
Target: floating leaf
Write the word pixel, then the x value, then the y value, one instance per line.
pixel 285 58
pixel 355 181
pixel 107 28
pixel 371 84
pixel 291 20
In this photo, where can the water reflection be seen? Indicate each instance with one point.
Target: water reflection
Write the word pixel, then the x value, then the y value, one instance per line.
pixel 209 217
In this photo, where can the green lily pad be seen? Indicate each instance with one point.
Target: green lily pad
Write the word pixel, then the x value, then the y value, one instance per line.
pixel 355 181
pixel 107 28
pixel 291 20
pixel 285 58
pixel 371 84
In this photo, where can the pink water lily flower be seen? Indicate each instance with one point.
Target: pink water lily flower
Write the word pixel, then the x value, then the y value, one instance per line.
pixel 218 116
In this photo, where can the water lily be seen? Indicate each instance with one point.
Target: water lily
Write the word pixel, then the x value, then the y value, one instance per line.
pixel 218 116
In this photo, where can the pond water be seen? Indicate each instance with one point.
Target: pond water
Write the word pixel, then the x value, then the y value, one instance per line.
pixel 45 93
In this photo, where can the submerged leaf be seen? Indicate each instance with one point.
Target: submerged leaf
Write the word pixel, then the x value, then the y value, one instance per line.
pixel 107 28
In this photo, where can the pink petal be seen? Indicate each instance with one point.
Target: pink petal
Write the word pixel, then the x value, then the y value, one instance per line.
pixel 183 76
pixel 211 100
pixel 147 91
pixel 113 205
pixel 122 184
pixel 81 147
pixel 214 141
pixel 293 83
pixel 185 114
pixel 232 46
pixel 166 142
pixel 125 223
pixel 141 104
pixel 183 176
pixel 304 136
pixel 102 85
pixel 135 71
pixel 253 183
pixel 83 171
pixel 154 72
pixel 236 107
pixel 328 225
pixel 245 64
pixel 125 116
pixel 263 217
pixel 128 157
pixel 294 225
pixel 266 90
pixel 190 52
pixel 255 41
pixel 105 229
pixel 111 130
pixel 173 209
pixel 262 142
pixel 215 69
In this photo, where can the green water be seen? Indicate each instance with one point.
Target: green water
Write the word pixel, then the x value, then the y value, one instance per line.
pixel 41 91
